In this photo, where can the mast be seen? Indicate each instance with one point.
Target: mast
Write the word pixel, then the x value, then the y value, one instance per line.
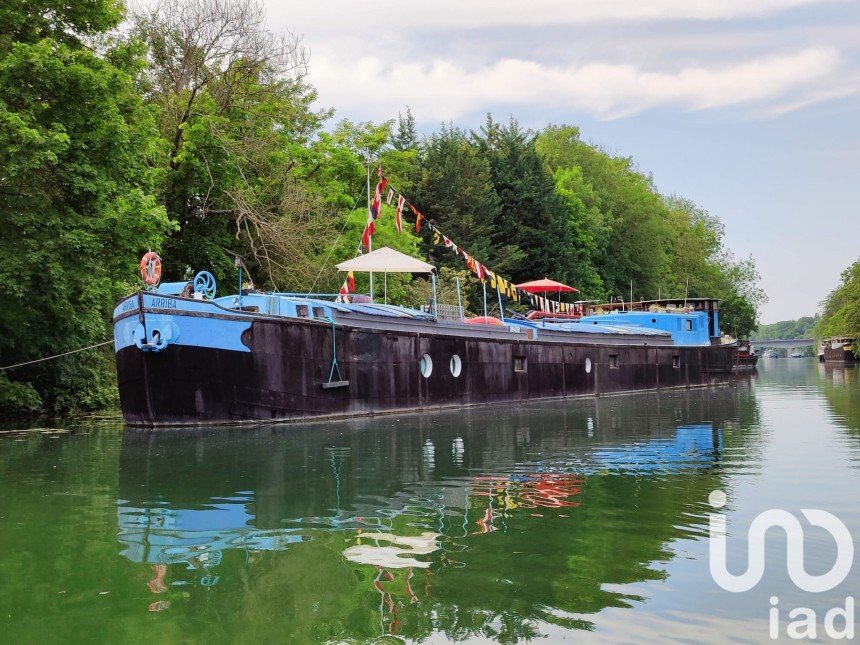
pixel 369 237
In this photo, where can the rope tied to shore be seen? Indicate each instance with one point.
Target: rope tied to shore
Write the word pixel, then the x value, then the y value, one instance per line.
pixel 49 358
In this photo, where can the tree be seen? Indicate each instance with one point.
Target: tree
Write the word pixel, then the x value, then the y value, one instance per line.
pixel 455 191
pixel 406 136
pixel 530 230
pixel 841 315
pixel 638 243
pixel 76 197
pixel 237 170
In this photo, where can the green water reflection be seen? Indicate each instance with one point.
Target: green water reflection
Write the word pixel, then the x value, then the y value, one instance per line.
pixel 486 522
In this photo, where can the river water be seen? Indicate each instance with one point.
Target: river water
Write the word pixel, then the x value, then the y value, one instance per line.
pixel 581 519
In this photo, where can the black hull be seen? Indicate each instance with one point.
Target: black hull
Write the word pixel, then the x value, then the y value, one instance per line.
pixel 745 363
pixel 283 376
pixel 839 355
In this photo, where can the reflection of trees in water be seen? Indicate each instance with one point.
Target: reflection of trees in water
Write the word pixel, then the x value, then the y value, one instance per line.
pixel 841 387
pixel 537 509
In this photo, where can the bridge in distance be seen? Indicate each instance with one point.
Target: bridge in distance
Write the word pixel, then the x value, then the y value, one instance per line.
pixel 788 343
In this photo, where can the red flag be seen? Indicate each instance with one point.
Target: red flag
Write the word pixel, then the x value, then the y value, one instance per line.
pixel 369 230
pixel 350 280
pixel 398 214
pixel 344 291
pixel 418 218
pixel 376 204
pixel 389 196
pixel 479 271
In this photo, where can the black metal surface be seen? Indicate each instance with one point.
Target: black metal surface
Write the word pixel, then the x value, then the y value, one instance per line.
pixel 282 376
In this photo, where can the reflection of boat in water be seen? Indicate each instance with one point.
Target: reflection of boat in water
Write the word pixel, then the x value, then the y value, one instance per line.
pixel 430 507
pixel 196 532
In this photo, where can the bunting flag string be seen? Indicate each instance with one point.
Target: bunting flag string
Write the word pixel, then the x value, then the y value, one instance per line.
pixel 505 287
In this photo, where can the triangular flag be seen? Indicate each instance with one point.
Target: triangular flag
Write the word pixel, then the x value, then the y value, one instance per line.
pixel 398 214
pixel 479 271
pixel 389 197
pixel 418 218
pixel 369 230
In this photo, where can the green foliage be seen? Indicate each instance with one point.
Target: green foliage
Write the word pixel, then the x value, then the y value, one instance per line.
pixel 784 329
pixel 76 203
pixel 28 21
pixel 841 314
pixel 194 133
pixel 419 292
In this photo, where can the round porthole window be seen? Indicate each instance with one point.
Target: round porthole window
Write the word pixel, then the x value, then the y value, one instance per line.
pixel 426 366
pixel 588 366
pixel 456 365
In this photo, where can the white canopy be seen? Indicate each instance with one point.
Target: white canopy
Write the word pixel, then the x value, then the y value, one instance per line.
pixel 385 260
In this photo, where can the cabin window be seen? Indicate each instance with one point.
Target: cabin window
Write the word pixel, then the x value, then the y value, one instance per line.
pixel 426 366
pixel 302 311
pixel 653 321
pixel 613 361
pixel 520 363
pixel 319 312
pixel 676 361
pixel 689 324
pixel 588 366
pixel 456 366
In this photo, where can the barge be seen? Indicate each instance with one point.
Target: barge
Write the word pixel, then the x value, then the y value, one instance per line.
pixel 185 357
pixel 838 349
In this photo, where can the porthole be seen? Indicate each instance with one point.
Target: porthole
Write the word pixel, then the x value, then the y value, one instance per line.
pixel 588 366
pixel 456 365
pixel 426 366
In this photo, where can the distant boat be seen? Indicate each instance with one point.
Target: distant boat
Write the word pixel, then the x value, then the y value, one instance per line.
pixel 797 354
pixel 838 349
pixel 745 358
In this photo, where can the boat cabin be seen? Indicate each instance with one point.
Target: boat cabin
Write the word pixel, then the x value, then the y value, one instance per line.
pixel 691 321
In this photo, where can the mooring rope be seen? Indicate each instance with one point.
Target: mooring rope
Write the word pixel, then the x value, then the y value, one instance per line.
pixel 48 358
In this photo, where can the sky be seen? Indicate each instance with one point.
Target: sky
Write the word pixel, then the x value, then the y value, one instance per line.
pixel 748 107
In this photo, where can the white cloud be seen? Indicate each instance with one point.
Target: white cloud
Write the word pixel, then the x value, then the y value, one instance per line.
pixel 334 15
pixel 443 89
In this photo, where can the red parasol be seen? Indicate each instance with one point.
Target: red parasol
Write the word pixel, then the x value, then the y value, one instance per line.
pixel 546 285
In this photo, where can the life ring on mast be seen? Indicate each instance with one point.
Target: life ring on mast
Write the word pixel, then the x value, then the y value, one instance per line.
pixel 150 268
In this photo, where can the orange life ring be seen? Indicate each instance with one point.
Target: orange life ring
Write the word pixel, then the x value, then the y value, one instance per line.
pixel 150 268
